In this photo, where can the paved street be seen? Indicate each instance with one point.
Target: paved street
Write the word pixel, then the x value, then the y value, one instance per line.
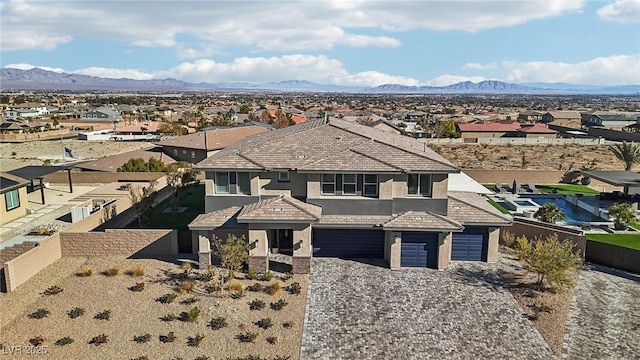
pixel 362 311
pixel 604 317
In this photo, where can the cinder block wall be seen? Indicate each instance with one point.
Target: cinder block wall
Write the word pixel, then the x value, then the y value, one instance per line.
pixel 120 242
pixel 532 229
pixel 20 269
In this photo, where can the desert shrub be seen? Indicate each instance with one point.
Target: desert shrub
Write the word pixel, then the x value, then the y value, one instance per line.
pixel 235 286
pixel 186 287
pixel 218 323
pixel 113 271
pixel 137 287
pixel 272 340
pixel 238 294
pixel 137 271
pixel 37 341
pixel 64 341
pixel 104 315
pixel 191 315
pixel 100 339
pixel 278 305
pixel 141 339
pixel 551 260
pixel 85 272
pixel 266 276
pixel 294 288
pixel 169 317
pixel 247 336
pixel 274 288
pixel 256 305
pixel 189 301
pixel 508 239
pixel 287 324
pixel 278 357
pixel 523 247
pixel 255 287
pixel 169 338
pixel 52 290
pixel 167 298
pixel 143 357
pixel 195 340
pixel 248 357
pixel 76 312
pixel 264 323
pixel 202 357
pixel 286 276
pixel 250 275
pixel 40 314
pixel 186 266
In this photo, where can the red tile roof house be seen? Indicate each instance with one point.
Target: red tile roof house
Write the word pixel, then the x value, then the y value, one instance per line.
pixel 471 132
pixel 339 189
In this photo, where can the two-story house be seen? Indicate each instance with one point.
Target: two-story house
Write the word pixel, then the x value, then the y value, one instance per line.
pixel 339 189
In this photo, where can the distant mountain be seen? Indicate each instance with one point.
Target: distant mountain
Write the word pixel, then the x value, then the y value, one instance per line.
pixel 38 79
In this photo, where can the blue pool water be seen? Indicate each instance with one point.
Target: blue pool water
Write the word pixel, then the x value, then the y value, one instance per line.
pixel 574 213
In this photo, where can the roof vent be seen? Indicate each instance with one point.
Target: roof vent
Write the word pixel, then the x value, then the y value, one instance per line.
pixel 301 156
pixel 276 209
pixel 339 138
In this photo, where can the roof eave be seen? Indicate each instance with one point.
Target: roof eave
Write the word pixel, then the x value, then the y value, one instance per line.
pixel 395 228
pixel 273 221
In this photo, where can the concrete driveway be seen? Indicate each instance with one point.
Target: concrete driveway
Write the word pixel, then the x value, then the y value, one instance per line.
pixel 604 316
pixel 363 311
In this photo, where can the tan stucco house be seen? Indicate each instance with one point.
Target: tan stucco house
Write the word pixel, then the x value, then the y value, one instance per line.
pixel 13 191
pixel 339 189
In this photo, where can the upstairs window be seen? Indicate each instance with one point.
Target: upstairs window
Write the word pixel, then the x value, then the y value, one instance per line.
pixel 419 184
pixel 328 184
pixel 370 185
pixel 349 184
pixel 283 176
pixel 222 182
pixel 244 183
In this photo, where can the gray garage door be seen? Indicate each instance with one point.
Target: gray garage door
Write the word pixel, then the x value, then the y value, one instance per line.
pixel 419 250
pixel 470 245
pixel 350 243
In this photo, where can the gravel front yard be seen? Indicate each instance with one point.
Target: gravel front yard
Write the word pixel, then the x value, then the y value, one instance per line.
pixel 138 313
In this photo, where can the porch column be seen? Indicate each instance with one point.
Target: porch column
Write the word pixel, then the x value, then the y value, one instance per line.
pixel 204 250
pixel 302 250
pixel 392 244
pixel 258 250
pixel 444 250
pixel 493 244
pixel 41 190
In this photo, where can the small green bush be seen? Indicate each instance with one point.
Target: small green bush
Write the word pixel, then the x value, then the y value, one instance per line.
pixel 287 324
pixel 272 340
pixel 64 341
pixel 141 339
pixel 76 312
pixel 256 287
pixel 40 314
pixel 191 315
pixel 100 339
pixel 247 336
pixel 278 305
pixel 266 276
pixel 52 290
pixel 250 275
pixel 286 276
pixel 218 323
pixel 189 301
pixel 294 288
pixel 104 315
pixel 169 338
pixel 169 317
pixel 256 305
pixel 37 341
pixel 264 323
pixel 167 298
pixel 137 287
pixel 194 341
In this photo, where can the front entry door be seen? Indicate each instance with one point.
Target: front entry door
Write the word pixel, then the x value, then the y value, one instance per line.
pixel 284 238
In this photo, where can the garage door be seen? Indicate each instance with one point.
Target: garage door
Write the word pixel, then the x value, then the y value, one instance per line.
pixel 348 243
pixel 468 246
pixel 419 250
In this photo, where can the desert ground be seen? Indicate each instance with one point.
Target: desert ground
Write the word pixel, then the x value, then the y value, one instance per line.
pixel 503 157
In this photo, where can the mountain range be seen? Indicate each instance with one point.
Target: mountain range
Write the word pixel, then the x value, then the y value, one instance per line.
pixel 39 79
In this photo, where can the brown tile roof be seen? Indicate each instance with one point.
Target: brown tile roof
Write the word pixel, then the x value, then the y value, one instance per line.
pixel 489 127
pixel 470 208
pixel 299 146
pixel 221 218
pixel 537 129
pixel 423 220
pixel 213 139
pixel 112 163
pixel 354 220
pixel 282 208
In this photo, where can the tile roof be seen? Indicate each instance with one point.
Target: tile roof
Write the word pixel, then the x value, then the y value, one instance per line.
pixel 282 208
pixel 489 127
pixel 221 218
pixel 470 208
pixel 422 220
pixel 354 220
pixel 323 143
pixel 537 129
pixel 215 139
pixel 112 163
pixel 565 114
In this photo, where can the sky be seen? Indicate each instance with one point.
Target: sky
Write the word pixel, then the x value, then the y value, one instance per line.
pixel 341 42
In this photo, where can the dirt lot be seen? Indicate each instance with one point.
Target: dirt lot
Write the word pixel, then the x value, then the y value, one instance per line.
pixel 137 313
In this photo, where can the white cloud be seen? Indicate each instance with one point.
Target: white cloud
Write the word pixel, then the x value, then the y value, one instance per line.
pixel 114 73
pixel 446 79
pixel 612 70
pixel 272 25
pixel 29 67
pixel 476 66
pixel 621 11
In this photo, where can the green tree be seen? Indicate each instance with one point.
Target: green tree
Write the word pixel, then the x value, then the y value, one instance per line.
pixel 627 152
pixel 179 175
pixel 139 165
pixel 549 213
pixel 551 259
pixel 142 201
pixel 233 253
pixel 622 214
pixel 447 129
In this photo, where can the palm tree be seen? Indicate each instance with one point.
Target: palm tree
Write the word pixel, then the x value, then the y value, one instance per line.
pixel 627 152
pixel 549 213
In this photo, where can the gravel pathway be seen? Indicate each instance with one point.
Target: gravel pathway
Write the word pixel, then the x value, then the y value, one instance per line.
pixel 604 316
pixel 362 311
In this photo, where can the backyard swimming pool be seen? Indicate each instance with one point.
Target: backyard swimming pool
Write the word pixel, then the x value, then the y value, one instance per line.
pixel 575 215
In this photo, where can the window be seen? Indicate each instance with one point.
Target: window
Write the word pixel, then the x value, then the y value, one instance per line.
pixel 419 184
pixel 12 199
pixel 328 183
pixel 283 176
pixel 222 182
pixel 175 151
pixel 349 184
pixel 244 183
pixel 370 185
pixel 193 154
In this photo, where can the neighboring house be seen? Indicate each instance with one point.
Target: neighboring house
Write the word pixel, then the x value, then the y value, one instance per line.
pixel 13 114
pixel 105 114
pixel 13 191
pixel 384 125
pixel 530 116
pixel 198 146
pixel 569 119
pixel 113 162
pixel 149 127
pixel 470 132
pixel 610 120
pixel 537 131
pixel 339 189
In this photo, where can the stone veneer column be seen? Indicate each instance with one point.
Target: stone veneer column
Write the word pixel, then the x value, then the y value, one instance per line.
pixel 258 250
pixel 301 262
pixel 204 250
